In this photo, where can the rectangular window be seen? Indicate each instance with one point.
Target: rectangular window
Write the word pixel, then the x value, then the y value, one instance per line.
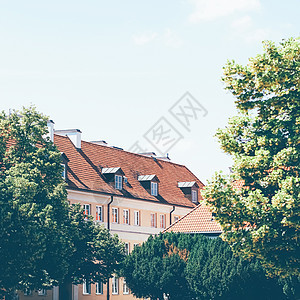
pixel 115 286
pixel 194 196
pixel 28 292
pixel 135 245
pixel 136 218
pixel 125 288
pixel 153 220
pixel 86 209
pixel 162 219
pixel 99 213
pixel 118 182
pixel 126 216
pixel 154 188
pixel 41 292
pixel 86 287
pixel 99 288
pixel 115 215
pixel 127 248
pixel 63 174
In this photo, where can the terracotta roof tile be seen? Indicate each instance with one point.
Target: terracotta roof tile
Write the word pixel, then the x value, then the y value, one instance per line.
pixel 85 165
pixel 198 220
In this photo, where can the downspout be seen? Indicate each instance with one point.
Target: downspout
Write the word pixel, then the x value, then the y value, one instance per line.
pixel 171 214
pixel 108 227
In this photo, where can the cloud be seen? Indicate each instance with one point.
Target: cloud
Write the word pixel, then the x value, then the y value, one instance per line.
pixel 207 10
pixel 243 29
pixel 144 38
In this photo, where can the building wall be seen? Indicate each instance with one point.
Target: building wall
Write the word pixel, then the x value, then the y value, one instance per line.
pixel 128 233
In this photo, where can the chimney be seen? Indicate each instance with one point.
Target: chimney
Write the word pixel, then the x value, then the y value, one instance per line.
pixel 73 134
pixel 50 125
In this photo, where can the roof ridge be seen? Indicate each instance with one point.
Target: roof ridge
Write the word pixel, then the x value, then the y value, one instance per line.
pixel 140 155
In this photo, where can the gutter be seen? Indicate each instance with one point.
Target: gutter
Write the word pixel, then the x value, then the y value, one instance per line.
pixel 108 227
pixel 171 214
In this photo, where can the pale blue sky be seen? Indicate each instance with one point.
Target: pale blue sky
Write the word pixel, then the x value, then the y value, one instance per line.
pixel 113 68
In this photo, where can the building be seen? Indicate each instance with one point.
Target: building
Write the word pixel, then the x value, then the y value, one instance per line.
pixel 134 195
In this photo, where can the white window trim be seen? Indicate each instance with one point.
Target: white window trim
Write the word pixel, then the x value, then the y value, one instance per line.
pixel 115 286
pixel 64 171
pixel 194 196
pixel 99 217
pixel 125 288
pixel 126 216
pixel 97 288
pixel 41 292
pixel 85 206
pixel 137 218
pixel 115 209
pixel 84 288
pixel 154 188
pixel 118 182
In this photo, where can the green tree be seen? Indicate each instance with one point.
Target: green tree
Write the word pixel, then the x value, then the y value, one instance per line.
pixel 157 267
pixel 262 219
pixel 41 237
pixel 186 266
pixel 214 272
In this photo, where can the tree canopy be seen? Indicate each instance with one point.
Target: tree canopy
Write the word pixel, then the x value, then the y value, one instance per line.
pixel 262 218
pixel 43 241
pixel 185 266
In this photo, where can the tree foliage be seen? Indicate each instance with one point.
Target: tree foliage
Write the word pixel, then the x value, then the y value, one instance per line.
pixel 262 218
pixel 185 266
pixel 43 241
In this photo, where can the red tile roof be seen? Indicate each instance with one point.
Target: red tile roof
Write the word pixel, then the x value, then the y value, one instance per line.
pixel 85 164
pixel 198 220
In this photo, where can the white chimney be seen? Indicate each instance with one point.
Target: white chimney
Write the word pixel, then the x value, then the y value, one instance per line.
pixel 50 125
pixel 73 134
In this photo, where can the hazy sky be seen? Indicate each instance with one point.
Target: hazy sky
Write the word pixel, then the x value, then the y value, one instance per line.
pixel 113 69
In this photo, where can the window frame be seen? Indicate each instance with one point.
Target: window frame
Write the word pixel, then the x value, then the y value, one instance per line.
pixel 85 206
pixel 162 221
pixel 194 196
pixel 154 188
pixel 99 217
pixel 126 216
pixel 127 248
pixel 86 287
pixel 137 218
pixel 41 292
pixel 64 172
pixel 99 284
pixel 115 215
pixel 115 286
pixel 153 220
pixel 118 182
pixel 125 287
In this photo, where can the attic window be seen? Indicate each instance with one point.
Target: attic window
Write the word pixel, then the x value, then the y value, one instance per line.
pixel 118 182
pixel 190 190
pixel 153 188
pixel 150 183
pixel 114 175
pixel 63 173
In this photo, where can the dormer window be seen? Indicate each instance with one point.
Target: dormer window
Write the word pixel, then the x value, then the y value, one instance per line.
pixel 150 183
pixel 114 176
pixel 64 164
pixel 190 190
pixel 153 188
pixel 118 182
pixel 194 196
